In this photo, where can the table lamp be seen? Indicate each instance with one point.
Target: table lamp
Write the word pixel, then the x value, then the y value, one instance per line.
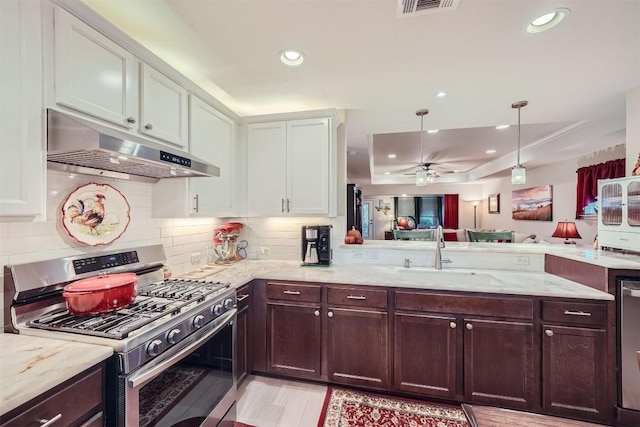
pixel 567 230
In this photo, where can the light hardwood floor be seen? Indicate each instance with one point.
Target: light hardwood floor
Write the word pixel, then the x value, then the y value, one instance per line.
pixel 270 402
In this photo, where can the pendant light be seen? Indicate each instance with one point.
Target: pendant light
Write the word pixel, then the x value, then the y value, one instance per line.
pixel 422 176
pixel 519 173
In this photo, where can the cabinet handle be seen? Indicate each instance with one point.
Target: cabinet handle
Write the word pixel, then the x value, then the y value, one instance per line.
pixel 288 210
pixel 358 297
pixel 47 423
pixel 452 325
pixel 316 313
pixel 330 314
pixel 469 326
pixel 282 205
pixel 242 297
pixel 291 292
pixel 549 332
pixel 148 126
pixel 196 206
pixel 577 313
pixel 131 119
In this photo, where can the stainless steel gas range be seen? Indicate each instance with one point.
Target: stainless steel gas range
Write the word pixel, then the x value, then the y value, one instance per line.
pixel 174 360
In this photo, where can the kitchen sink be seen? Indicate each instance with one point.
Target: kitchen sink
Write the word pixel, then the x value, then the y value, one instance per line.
pixel 431 275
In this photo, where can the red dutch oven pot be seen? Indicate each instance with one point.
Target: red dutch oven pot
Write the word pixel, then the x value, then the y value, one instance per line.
pixel 100 294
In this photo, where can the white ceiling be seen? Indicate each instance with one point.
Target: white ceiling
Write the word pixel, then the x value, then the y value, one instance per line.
pixel 380 69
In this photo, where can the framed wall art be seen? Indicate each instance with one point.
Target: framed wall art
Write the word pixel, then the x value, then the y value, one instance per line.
pixel 494 203
pixel 532 204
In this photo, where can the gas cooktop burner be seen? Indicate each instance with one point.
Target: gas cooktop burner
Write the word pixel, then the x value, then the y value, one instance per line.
pixel 153 302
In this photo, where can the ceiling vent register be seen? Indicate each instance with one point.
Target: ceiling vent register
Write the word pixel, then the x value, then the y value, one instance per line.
pixel 423 7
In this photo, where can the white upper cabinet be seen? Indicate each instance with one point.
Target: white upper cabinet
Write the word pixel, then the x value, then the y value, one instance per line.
pixel 22 159
pixel 163 107
pixel 97 77
pixel 211 138
pixel 289 167
pixel 93 75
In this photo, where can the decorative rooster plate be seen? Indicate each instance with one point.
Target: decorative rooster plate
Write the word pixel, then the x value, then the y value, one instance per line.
pixel 95 214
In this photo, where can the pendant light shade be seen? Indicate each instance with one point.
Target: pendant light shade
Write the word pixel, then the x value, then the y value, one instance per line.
pixel 422 175
pixel 519 173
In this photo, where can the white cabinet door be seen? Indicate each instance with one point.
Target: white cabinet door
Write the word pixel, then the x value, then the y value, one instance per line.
pixel 22 159
pixel 267 169
pixel 211 139
pixel 163 108
pixel 308 167
pixel 93 75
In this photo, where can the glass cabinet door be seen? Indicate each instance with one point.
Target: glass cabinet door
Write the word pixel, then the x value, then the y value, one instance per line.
pixel 611 204
pixel 633 204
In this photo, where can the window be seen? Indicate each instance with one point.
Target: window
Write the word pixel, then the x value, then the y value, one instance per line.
pixel 425 211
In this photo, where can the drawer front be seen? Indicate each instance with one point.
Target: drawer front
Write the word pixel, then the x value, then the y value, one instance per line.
pixel 515 308
pixel 74 402
pixel 575 313
pixel 293 292
pixel 357 297
pixel 243 295
pixel 619 239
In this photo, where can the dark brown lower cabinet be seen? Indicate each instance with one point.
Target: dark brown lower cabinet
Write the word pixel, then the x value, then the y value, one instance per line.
pixel 294 344
pixel 573 365
pixel 499 363
pixel 425 350
pixel 358 347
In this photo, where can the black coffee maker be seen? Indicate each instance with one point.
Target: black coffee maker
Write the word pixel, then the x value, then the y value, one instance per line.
pixel 316 245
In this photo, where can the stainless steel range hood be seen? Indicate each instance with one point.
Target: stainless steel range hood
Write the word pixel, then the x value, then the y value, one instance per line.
pixel 79 146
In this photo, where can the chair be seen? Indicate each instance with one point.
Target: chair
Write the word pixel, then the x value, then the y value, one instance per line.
pixel 491 236
pixel 413 234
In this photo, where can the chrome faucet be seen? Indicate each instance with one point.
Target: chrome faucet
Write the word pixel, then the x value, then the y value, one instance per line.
pixel 439 244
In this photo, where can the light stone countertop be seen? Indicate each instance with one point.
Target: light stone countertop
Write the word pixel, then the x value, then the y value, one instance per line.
pixel 29 366
pixel 608 259
pixel 486 281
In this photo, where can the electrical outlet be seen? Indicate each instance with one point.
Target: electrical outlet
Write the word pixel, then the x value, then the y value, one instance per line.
pixel 263 251
pixel 195 258
pixel 372 254
pixel 521 260
pixel 358 255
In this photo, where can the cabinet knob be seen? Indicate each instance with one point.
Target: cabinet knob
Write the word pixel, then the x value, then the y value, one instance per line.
pixel 131 119
pixel 148 126
pixel 452 325
pixel 469 326
pixel 330 314
pixel 549 332
pixel 316 313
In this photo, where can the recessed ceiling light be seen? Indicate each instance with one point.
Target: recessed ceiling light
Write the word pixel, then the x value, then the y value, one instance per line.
pixel 391 156
pixel 500 127
pixel 433 131
pixel 491 151
pixel 387 173
pixel 547 20
pixel 292 57
pixel 441 94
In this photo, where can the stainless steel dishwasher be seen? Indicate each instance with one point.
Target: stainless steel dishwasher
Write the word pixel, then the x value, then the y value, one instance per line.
pixel 630 343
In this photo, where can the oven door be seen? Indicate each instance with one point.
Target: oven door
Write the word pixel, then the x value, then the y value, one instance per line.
pixel 193 384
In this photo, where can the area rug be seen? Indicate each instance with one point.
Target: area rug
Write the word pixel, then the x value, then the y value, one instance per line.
pixel 350 408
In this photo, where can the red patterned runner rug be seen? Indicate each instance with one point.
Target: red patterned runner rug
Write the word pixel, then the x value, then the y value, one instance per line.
pixel 350 408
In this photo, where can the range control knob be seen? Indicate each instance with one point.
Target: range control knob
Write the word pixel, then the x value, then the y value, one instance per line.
pixel 217 310
pixel 154 348
pixel 198 321
pixel 228 303
pixel 173 336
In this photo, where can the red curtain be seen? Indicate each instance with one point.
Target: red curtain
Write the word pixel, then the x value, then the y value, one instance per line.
pixel 588 176
pixel 450 211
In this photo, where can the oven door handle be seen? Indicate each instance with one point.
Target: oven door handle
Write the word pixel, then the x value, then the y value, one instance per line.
pixel 145 375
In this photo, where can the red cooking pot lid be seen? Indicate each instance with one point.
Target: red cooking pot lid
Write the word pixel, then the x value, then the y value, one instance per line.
pixel 104 281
